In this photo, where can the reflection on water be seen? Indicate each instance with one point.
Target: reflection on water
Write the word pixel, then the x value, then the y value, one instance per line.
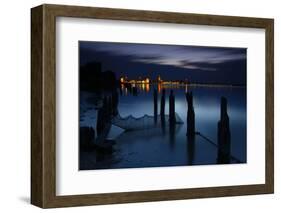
pixel 169 144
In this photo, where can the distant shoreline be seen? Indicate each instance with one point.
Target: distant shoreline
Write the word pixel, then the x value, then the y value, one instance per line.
pixel 217 85
pixel 197 85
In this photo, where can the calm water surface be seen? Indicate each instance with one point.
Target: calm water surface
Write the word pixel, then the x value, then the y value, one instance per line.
pixel 155 147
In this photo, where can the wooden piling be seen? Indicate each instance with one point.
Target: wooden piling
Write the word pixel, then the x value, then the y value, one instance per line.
pixel 190 132
pixel 224 143
pixel 172 116
pixel 155 100
pixel 162 108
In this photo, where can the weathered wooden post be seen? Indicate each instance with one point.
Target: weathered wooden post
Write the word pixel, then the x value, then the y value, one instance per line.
pixel 162 109
pixel 190 132
pixel 86 138
pixel 155 98
pixel 224 152
pixel 115 100
pixel 100 121
pixel 172 119
pixel 103 116
pixel 109 107
pixel 172 116
pixel 190 150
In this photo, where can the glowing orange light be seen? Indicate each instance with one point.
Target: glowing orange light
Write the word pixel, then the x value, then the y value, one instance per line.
pixel 147 87
pixel 159 86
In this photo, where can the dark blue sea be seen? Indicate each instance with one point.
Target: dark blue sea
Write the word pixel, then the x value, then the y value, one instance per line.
pixel 157 147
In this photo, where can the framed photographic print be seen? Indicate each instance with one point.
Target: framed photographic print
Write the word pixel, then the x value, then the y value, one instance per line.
pixel 136 106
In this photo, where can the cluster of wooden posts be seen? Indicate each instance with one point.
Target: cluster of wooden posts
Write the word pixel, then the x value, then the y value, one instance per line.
pixel 172 113
pixel 91 138
pixel 223 129
pixel 108 110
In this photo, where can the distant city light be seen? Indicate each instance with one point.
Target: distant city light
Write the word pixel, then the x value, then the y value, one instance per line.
pixel 146 80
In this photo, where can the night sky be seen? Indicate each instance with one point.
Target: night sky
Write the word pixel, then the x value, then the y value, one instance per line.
pixel 171 62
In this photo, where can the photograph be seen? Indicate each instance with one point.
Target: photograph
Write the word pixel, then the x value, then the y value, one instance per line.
pixel 140 105
pixel 156 105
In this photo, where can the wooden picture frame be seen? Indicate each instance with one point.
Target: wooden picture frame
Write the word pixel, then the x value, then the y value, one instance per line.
pixel 43 105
